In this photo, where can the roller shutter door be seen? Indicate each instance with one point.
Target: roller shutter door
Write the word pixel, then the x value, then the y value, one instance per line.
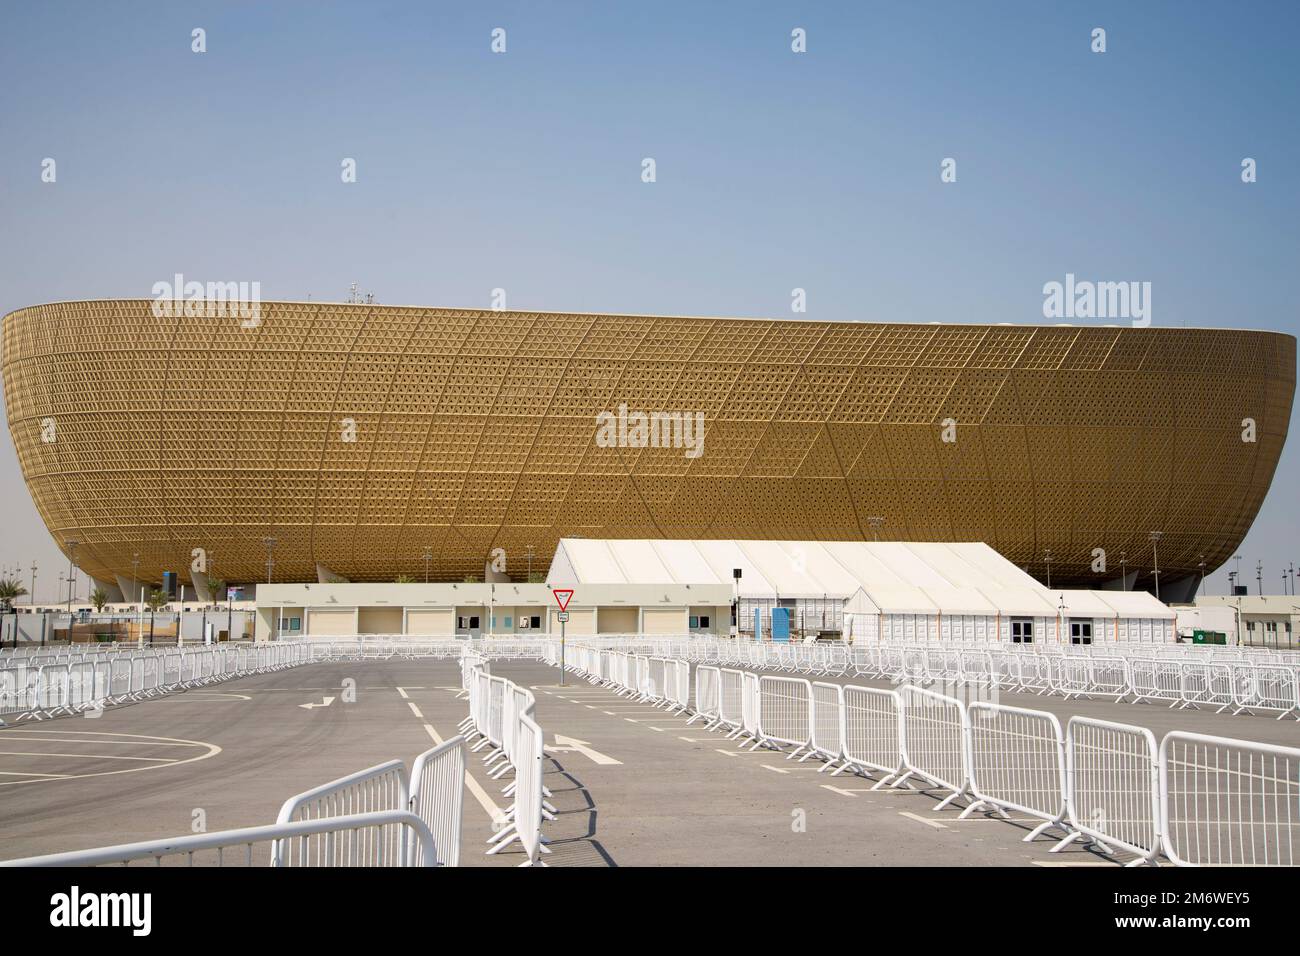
pixel 332 622
pixel 663 621
pixel 431 622
pixel 581 623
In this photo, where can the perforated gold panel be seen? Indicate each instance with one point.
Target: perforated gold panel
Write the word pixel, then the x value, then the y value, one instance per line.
pixel 476 430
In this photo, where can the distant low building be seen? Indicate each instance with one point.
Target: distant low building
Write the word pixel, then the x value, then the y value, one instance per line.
pixel 1261 620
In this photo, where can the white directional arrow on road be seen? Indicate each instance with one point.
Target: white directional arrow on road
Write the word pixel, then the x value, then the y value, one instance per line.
pixel 326 702
pixel 573 745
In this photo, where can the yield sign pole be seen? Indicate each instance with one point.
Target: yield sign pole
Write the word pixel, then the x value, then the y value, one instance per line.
pixel 562 597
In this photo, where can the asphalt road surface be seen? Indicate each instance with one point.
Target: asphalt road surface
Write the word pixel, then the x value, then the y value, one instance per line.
pixel 633 786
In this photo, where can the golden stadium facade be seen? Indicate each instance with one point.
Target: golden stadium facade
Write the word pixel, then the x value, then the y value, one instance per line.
pixel 475 430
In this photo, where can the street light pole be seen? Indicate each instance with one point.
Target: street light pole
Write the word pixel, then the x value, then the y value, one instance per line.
pixel 270 562
pixel 1155 558
pixel 428 556
pixel 1047 556
pixel 72 572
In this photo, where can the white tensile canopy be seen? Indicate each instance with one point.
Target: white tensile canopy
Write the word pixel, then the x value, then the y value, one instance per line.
pixel 884 577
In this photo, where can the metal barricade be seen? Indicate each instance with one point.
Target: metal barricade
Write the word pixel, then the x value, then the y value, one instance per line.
pixel 437 798
pixel 784 712
pixel 1228 802
pixel 827 741
pixel 1017 762
pixel 935 735
pixel 1112 787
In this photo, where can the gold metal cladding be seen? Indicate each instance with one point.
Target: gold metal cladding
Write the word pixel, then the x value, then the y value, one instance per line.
pixel 474 430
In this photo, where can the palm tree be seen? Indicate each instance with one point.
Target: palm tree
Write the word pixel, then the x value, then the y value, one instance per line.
pixel 11 591
pixel 216 588
pixel 99 598
pixel 155 600
pixel 403 579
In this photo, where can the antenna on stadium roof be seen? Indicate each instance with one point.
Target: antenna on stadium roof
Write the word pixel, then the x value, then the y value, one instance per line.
pixel 356 298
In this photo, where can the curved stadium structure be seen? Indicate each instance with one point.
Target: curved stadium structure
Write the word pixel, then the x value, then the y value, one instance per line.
pixel 356 436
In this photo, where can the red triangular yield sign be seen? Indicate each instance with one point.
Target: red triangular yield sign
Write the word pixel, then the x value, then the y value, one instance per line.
pixel 562 597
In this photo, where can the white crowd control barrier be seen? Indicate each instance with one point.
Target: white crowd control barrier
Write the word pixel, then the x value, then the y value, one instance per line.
pixel 1112 792
pixel 827 702
pixel 935 738
pixel 36 686
pixel 1243 680
pixel 437 798
pixel 362 839
pixel 731 705
pixel 501 713
pixel 784 709
pixel 749 706
pixel 1199 800
pixel 873 733
pixel 381 787
pixel 529 791
pixel 708 692
pixel 1228 802
pixel 1017 762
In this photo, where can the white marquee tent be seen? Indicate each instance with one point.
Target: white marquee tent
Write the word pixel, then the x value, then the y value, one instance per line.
pixel 868 590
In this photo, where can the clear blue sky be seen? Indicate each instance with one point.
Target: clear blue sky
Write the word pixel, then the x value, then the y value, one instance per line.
pixel 775 170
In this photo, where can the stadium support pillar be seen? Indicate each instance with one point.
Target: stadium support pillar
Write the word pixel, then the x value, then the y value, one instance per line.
pixel 113 590
pixel 325 576
pixel 124 588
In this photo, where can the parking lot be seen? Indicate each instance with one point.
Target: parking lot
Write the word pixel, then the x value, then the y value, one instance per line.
pixel 631 785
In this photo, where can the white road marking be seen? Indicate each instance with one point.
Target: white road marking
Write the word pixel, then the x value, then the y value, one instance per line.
pixel 774 769
pixel 574 745
pixel 403 693
pixel 495 813
pixel 212 751
pixel 1068 863
pixel 38 753
pixel 920 819
pixel 47 776
pixel 24 735
pixel 326 701
pixel 415 710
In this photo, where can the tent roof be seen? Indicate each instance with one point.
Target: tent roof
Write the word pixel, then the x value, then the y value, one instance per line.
pixel 894 576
